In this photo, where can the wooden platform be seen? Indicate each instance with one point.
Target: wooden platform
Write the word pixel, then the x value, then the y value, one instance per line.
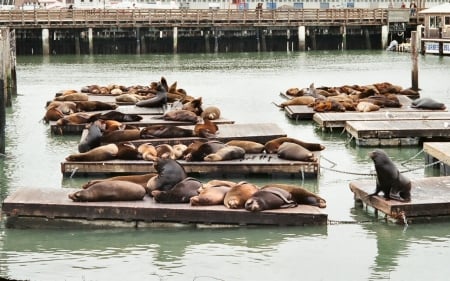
pixel 438 151
pixel 430 199
pixel 54 205
pixel 332 120
pixel 147 120
pixel 397 132
pixel 268 164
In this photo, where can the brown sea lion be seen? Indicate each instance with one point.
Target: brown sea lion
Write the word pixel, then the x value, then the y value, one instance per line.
pixel 248 146
pixel 73 97
pixel 389 179
pixel 273 145
pixel 94 105
pixel 269 198
pixel 100 153
pixel 181 115
pixel 300 195
pixel 138 179
pixel 301 100
pixel 206 129
pixel 170 172
pixel 66 107
pixel 326 105
pixel 365 106
pixel 178 150
pixel 53 114
pixel 121 135
pixel 148 151
pixel 296 152
pixel 131 98
pixel 127 151
pixel 210 195
pixel 194 105
pixel 211 113
pixel 165 131
pixel 198 151
pixel 239 194
pixel 115 190
pixel 77 118
pixel 179 193
pixel 165 151
pixel 119 116
pixel 229 152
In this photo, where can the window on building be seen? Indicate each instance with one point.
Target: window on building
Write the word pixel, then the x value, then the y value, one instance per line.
pixel 447 20
pixel 435 21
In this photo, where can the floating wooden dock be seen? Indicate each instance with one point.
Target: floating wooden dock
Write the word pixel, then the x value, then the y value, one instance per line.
pixel 48 206
pixel 397 132
pixel 147 120
pixel 332 120
pixel 268 164
pixel 430 200
pixel 438 151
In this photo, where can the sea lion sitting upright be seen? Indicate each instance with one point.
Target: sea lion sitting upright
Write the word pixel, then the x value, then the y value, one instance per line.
pixel 389 179
pixel 269 198
pixel 159 100
pixel 179 193
pixel 93 138
pixel 115 190
pixel 170 172
pixel 239 194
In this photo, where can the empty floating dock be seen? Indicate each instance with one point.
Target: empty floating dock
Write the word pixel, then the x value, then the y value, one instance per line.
pixel 430 199
pixel 47 207
pixel 438 151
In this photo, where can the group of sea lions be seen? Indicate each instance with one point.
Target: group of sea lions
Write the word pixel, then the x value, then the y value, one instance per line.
pixel 91 149
pixel 170 184
pixel 354 98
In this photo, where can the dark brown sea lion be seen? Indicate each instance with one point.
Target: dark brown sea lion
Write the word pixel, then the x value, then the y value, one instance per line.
pixel 206 129
pixel 170 172
pixel 211 113
pixel 326 105
pixel 239 194
pixel 100 153
pixel 53 114
pixel 127 151
pixel 194 105
pixel 138 179
pixel 248 146
pixel 296 152
pixel 77 118
pixel 94 105
pixel 181 115
pixel 198 151
pixel 300 195
pixel 93 137
pixel 210 195
pixel 179 193
pixel 165 131
pixel 273 145
pixel 119 116
pixel 121 135
pixel 160 99
pixel 115 190
pixel 269 198
pixel 427 103
pixel 389 179
pixel 229 152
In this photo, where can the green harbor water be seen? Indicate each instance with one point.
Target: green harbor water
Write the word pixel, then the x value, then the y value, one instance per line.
pixel 355 246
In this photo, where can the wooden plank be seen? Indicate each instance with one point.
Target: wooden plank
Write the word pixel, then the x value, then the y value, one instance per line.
pixel 430 197
pixel 147 120
pixel 439 150
pixel 338 119
pixel 362 130
pixel 252 164
pixel 54 204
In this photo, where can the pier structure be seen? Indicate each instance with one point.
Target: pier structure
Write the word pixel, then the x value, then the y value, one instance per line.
pixel 106 31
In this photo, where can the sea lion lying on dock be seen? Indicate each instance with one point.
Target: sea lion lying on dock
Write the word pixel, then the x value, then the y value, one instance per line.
pixel 139 179
pixel 296 152
pixel 300 195
pixel 427 103
pixel 269 198
pixel 179 193
pixel 115 190
pixel 273 145
pixel 239 194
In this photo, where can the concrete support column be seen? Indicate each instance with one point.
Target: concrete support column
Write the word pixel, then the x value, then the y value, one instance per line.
pixel 207 47
pixel 302 38
pixel 367 37
pixel 91 41
pixel 143 45
pixel 384 36
pixel 45 42
pixel 216 41
pixel 175 39
pixel 263 41
pixel 288 39
pixel 344 37
pixel 258 41
pixel 138 41
pixel 77 43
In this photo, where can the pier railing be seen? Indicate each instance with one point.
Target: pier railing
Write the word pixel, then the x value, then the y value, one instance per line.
pixel 79 18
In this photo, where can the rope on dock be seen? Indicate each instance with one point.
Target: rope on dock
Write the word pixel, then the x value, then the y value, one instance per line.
pixel 406 161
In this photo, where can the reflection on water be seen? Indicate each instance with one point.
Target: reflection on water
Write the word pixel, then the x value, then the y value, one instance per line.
pixel 244 86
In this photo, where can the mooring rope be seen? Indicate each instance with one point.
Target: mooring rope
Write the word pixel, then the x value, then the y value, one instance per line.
pixel 417 154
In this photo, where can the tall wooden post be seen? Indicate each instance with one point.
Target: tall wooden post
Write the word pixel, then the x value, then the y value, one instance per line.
pixel 414 55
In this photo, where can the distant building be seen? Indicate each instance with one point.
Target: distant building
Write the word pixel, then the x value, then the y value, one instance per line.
pixel 436 35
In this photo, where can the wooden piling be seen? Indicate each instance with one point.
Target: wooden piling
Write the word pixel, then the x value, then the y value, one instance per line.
pixel 415 68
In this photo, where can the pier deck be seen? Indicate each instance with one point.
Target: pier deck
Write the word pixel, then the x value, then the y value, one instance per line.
pixel 435 151
pixel 48 206
pixel 430 199
pixel 397 132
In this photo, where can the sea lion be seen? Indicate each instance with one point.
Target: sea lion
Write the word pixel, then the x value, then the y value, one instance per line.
pixel 211 113
pixel 100 153
pixel 198 151
pixel 194 105
pixel 301 100
pixel 139 179
pixel 94 105
pixel 73 97
pixel 229 152
pixel 269 198
pixel 427 103
pixel 127 151
pixel 52 114
pixel 170 172
pixel 365 106
pixel 115 190
pixel 165 131
pixel 296 152
pixel 210 195
pixel 178 150
pixel 119 116
pixel 148 151
pixel 273 145
pixel 121 135
pixel 77 118
pixel 300 195
pixel 93 137
pixel 389 179
pixel 180 115
pixel 160 99
pixel 129 98
pixel 248 146
pixel 165 151
pixel 206 129
pixel 66 107
pixel 326 105
pixel 179 193
pixel 239 194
